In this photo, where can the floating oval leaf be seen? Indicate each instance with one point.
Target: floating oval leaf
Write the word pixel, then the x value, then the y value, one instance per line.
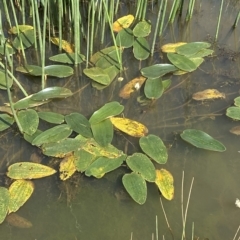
pixel 66 46
pixel 153 88
pixel 130 127
pixel 164 181
pixel 19 192
pixel 123 22
pixel 4 202
pixel 3 84
pixel 108 110
pixel 62 148
pixel 182 62
pixel 51 92
pixel 30 69
pixel 51 117
pixel 103 165
pixel 97 74
pixel 67 167
pixel 208 94
pixel 171 47
pixel 141 49
pixel 103 52
pixel 59 71
pixel 28 170
pixel 29 121
pixel 202 140
pixel 103 132
pixel 5 121
pixel 26 38
pixel 233 112
pixel 20 28
pixel 131 87
pixel 136 187
pixel 154 147
pixel 140 163
pixel 29 138
pixel 237 101
pixel 83 159
pixel 54 134
pixel 27 102
pixel 125 38
pixel 192 48
pixel 68 58
pixel 78 123
pixel 142 29
pixel 157 70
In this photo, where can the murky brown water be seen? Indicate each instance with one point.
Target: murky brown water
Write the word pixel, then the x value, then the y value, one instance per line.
pixel 86 208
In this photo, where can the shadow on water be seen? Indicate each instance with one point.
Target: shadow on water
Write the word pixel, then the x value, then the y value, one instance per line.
pixel 87 208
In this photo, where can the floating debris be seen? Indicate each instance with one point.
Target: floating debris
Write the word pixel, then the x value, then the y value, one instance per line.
pixel 235 130
pixel 208 94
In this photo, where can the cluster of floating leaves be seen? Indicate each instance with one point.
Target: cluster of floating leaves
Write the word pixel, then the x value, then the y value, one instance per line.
pixel 91 151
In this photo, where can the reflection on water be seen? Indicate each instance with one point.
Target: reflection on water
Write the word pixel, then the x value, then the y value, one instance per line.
pixel 86 208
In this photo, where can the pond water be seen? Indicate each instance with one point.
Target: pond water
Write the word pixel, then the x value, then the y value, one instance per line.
pixel 88 208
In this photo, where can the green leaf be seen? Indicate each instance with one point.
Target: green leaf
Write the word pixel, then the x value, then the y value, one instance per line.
pixel 68 58
pixel 157 70
pixel 29 138
pixel 26 37
pixel 9 48
pixel 54 134
pixel 96 56
pixel 5 121
pixel 166 84
pixel 104 165
pixel 29 121
pixel 27 102
pixel 153 88
pixel 141 49
pixel 140 163
pixel 51 117
pixel 4 202
pixel 233 112
pixel 202 140
pixel 142 29
pixel 193 48
pixel 108 110
pixel 62 148
pixel 125 38
pixel 202 53
pixel 3 84
pixel 19 191
pixel 28 170
pixel 103 132
pixel 78 123
pixel 51 92
pixel 20 28
pixel 237 101
pixel 98 75
pixel 30 69
pixel 154 147
pixel 83 159
pixel 136 187
pixel 182 62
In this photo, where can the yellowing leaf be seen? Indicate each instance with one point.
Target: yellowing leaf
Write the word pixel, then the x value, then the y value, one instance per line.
pixel 66 46
pixel 164 181
pixel 28 170
pixel 171 47
pixel 67 167
pixel 22 28
pixel 130 127
pixel 208 94
pixel 123 22
pixel 19 191
pixel 131 87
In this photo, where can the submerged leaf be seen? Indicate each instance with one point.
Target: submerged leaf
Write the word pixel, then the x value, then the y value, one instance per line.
pixel 3 84
pixel 28 170
pixel 164 181
pixel 153 88
pixel 20 191
pixel 131 87
pixel 208 94
pixel 15 220
pixel 136 187
pixel 202 140
pixel 130 127
pixel 97 74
